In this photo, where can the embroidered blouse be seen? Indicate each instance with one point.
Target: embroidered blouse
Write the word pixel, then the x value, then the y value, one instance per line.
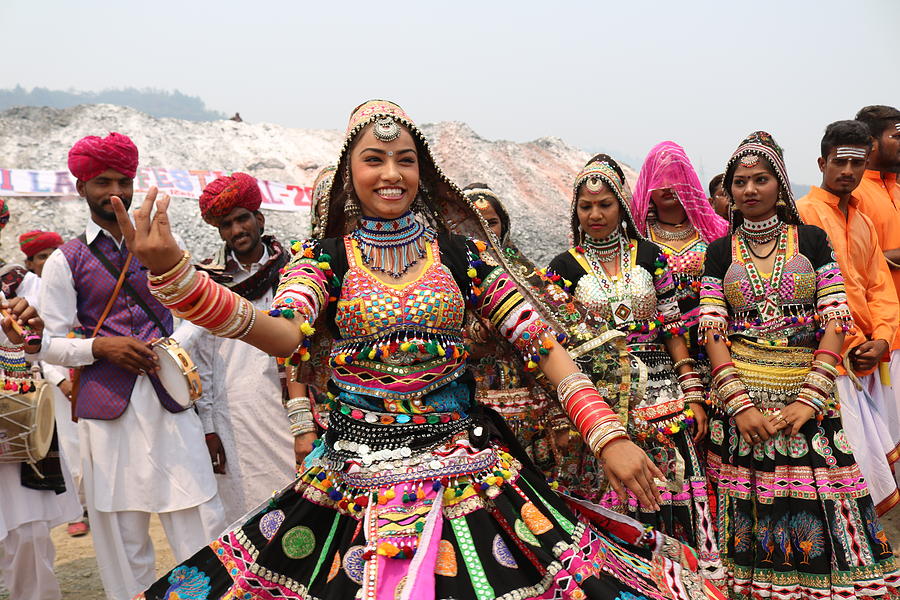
pixel 641 300
pixel 787 307
pixel 686 265
pixel 397 343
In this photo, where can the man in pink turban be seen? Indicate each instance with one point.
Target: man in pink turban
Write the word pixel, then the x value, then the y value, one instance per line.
pixel 142 451
pixel 104 167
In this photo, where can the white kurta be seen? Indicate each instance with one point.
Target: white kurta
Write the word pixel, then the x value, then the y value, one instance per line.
pixel 146 460
pixel 66 430
pixel 243 385
pixel 864 416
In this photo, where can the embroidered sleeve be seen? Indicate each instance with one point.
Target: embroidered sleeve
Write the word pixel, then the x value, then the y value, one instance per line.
pixel 831 298
pixel 496 298
pixel 713 307
pixel 307 281
pixel 666 298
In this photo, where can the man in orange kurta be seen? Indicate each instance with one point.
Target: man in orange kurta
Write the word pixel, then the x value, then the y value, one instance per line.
pixel 868 413
pixel 878 192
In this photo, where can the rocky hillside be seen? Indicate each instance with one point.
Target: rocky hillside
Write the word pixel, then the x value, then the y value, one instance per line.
pixel 533 178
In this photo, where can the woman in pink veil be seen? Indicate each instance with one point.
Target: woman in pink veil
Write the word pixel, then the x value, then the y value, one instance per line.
pixel 671 209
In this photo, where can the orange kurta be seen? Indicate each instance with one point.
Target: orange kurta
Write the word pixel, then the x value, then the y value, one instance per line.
pixel 867 279
pixel 879 199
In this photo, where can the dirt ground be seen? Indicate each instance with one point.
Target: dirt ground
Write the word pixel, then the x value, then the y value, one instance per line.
pixel 77 568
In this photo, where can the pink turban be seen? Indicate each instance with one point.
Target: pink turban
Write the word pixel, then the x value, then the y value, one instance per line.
pixel 226 193
pixel 92 155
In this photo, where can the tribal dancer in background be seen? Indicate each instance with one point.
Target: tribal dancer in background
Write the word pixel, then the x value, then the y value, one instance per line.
pixel 501 381
pixel 795 517
pixel 411 495
pixel 308 382
pixel 624 278
pixel 669 207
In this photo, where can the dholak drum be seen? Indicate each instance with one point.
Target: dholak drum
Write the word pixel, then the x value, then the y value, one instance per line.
pixel 26 424
pixel 177 372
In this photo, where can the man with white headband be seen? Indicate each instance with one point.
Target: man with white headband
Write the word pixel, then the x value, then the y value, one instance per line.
pixel 870 415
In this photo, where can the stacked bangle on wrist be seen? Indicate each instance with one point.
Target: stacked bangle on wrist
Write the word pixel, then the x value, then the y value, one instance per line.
pixel 818 385
pixel 300 416
pixel 731 390
pixel 593 418
pixel 196 298
pixel 692 387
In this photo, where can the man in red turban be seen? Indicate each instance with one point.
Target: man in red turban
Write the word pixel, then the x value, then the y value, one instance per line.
pixel 248 389
pixel 226 193
pixel 37 246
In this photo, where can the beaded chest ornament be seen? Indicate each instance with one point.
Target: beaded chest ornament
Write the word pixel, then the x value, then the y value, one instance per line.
pixel 392 246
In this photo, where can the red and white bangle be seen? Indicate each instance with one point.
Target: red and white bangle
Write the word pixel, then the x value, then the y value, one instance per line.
pixel 594 419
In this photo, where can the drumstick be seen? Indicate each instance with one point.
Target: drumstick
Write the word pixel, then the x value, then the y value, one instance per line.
pixel 15 324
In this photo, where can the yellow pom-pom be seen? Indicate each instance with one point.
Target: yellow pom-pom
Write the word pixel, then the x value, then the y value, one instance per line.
pixel 567 283
pixel 532 365
pixel 472 273
pixel 324 266
pixel 405 346
pixel 305 357
pixel 306 328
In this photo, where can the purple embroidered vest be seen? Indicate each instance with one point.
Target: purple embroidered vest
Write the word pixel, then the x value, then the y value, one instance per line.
pixel 105 388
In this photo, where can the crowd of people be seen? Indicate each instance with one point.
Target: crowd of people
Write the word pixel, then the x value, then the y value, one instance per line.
pixel 696 400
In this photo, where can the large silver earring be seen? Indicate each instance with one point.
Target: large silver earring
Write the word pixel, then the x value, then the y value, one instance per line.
pixel 352 209
pixel 418 205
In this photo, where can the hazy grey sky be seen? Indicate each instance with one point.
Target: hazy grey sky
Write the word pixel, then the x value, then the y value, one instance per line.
pixel 614 75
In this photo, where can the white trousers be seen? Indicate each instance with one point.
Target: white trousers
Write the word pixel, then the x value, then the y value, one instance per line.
pixel 125 554
pixel 26 562
pixel 865 420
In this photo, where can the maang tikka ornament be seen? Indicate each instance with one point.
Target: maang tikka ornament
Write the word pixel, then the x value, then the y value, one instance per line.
pixel 594 185
pixel 386 129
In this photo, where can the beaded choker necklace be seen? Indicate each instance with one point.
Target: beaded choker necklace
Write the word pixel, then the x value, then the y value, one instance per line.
pixel 604 249
pixel 392 246
pixel 761 232
pixel 682 233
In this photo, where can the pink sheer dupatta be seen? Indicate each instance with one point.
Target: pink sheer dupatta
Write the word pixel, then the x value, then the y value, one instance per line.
pixel 667 166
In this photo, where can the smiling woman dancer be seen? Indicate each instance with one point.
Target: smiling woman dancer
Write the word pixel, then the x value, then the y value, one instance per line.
pixel 795 516
pixel 409 496
pixel 623 278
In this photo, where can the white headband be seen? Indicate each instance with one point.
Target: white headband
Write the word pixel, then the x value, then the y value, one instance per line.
pixel 849 152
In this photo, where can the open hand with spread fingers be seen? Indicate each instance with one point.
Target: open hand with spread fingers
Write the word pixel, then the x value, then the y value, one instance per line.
pixel 149 237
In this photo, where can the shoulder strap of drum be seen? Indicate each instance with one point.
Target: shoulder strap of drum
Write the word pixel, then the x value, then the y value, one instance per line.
pixel 121 284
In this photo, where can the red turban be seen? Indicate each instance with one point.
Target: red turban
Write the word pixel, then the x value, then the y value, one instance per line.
pixel 33 242
pixel 225 194
pixel 4 213
pixel 92 155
